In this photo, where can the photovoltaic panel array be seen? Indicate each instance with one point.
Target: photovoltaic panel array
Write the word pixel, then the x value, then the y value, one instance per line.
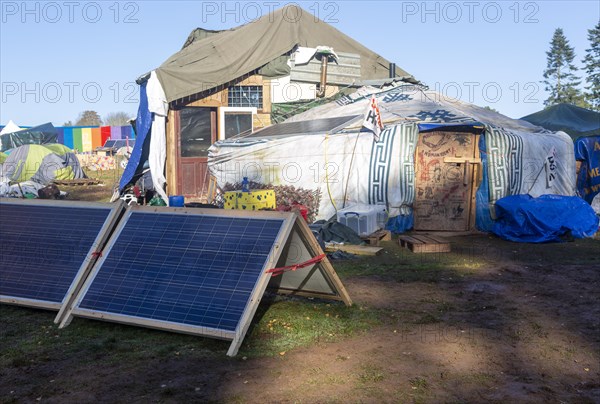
pixel 184 270
pixel 315 126
pixel 45 244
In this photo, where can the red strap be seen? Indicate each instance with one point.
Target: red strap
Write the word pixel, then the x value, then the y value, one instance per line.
pixel 97 254
pixel 279 271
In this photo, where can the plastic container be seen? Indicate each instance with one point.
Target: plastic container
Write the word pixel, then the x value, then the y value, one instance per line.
pixel 245 185
pixel 177 201
pixel 363 219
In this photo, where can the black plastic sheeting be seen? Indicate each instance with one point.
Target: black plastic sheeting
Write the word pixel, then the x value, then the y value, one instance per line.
pixel 548 218
pixel 334 231
pixel 42 134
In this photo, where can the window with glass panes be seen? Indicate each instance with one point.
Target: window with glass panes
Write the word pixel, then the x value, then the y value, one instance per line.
pixel 245 96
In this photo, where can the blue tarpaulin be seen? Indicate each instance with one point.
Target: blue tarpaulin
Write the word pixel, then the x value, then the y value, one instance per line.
pixel 548 218
pixel 140 152
pixel 483 219
pixel 587 150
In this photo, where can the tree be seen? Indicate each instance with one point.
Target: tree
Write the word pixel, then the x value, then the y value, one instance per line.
pixel 561 81
pixel 592 68
pixel 88 118
pixel 68 123
pixel 117 119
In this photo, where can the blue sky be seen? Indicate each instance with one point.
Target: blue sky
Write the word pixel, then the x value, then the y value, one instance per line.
pixel 60 58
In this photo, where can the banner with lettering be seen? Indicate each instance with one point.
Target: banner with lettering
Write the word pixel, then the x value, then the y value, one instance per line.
pixel 587 153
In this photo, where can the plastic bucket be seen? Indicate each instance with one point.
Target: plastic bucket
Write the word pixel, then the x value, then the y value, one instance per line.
pixel 176 201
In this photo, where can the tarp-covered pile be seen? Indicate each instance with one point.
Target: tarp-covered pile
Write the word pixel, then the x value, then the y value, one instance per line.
pixel 348 166
pixel 549 218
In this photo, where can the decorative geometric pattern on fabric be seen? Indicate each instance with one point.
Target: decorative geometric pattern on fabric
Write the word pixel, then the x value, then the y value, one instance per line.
pixel 398 95
pixel 379 167
pixel 439 115
pixel 505 164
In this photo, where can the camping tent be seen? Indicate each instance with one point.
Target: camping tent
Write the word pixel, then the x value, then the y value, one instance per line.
pixel 10 128
pixel 435 158
pixel 37 163
pixel 575 121
pixel 69 156
pixel 2 157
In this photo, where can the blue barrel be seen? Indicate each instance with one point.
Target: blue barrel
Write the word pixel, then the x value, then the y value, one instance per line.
pixel 176 201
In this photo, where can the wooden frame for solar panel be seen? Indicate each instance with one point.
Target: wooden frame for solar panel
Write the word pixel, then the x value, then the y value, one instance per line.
pixel 199 271
pixel 48 248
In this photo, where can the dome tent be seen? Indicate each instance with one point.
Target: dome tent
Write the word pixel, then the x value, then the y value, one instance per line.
pixel 69 156
pixel 36 163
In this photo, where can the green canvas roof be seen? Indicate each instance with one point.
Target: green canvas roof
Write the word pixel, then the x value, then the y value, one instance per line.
pixel 210 59
pixel 575 121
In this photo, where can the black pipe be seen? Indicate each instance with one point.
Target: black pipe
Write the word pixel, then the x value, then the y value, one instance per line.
pixel 392 70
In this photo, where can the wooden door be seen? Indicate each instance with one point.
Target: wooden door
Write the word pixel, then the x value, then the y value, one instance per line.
pixel 196 131
pixel 446 167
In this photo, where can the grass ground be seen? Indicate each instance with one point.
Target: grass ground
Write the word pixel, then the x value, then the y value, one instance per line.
pixel 109 179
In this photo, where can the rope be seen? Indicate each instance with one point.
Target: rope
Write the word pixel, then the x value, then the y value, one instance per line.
pixel 327 175
pixel 350 169
pixel 280 270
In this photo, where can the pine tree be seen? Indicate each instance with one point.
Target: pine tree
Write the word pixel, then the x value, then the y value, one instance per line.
pixel 561 81
pixel 592 68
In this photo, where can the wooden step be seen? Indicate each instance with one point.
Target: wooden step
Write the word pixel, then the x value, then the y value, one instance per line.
pixel 78 182
pixel 424 244
pixel 354 249
pixel 375 238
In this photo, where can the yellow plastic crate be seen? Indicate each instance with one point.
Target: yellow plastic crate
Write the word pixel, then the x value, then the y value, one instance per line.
pixel 254 200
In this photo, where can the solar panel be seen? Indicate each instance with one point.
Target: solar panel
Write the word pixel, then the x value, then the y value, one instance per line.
pixel 315 126
pixel 45 244
pixel 189 270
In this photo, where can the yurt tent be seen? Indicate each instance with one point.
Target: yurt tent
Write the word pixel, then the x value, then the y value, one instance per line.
pixel 439 162
pixel 36 163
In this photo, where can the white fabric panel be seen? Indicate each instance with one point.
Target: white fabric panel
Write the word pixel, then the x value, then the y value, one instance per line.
pixel 346 168
pixel 158 106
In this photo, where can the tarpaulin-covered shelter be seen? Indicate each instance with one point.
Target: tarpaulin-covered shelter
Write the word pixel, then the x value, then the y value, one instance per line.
pixel 583 125
pixel 39 164
pixel 223 83
pixel 440 164
pixel 41 134
pixel 573 120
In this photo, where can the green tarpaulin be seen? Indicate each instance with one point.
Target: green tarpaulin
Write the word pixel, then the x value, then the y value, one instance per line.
pixel 211 59
pixel 575 121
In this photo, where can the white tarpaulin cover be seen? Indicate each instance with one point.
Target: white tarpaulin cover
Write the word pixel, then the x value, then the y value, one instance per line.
pixel 349 167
